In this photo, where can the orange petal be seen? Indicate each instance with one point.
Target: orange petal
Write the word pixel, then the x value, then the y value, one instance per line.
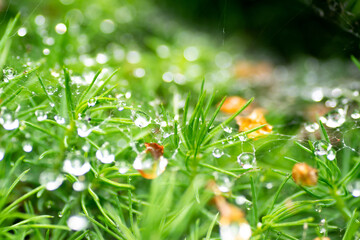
pixel 304 175
pixel 232 104
pixel 154 149
pixel 254 119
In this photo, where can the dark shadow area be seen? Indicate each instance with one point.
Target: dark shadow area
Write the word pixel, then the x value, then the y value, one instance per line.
pixel 287 28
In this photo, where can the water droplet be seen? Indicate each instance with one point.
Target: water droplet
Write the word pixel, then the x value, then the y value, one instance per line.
pixel 123 167
pixel 246 160
pixel 51 180
pixel 355 114
pixel 354 188
pixel 331 103
pixel 105 153
pixel 248 205
pixel 336 118
pixel 51 90
pixel 321 148
pixel 317 95
pixel 217 153
pixel 121 105
pixel 2 154
pixel 331 155
pixel 243 138
pixel 76 164
pixel 92 102
pixel 240 200
pixel 223 182
pixel 235 230
pixel 140 119
pixel 59 119
pixel 27 147
pixel 269 185
pixel 150 163
pixel 40 115
pixel 228 129
pixel 60 28
pixel 8 120
pixel 311 127
pixel 230 139
pixel 77 223
pixel 22 32
pixel 8 73
pixel 322 226
pixel 128 95
pixel 318 208
pixel 83 128
pixel 79 186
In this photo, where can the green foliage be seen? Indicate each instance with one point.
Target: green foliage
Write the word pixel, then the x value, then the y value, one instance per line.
pixel 102 116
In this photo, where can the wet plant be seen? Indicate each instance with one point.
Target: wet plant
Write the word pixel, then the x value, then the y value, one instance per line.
pixel 104 147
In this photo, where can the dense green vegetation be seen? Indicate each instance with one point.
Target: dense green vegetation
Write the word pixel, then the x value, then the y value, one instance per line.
pixel 86 87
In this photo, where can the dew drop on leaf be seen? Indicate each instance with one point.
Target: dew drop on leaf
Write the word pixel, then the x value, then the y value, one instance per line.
pixel 354 188
pixel 50 90
pixel 40 115
pixel 123 167
pixel 336 118
pixel 246 160
pixel 8 120
pixel 8 74
pixel 141 120
pixel 77 223
pixel 84 128
pixel 79 186
pixel 76 164
pixel 321 148
pixel 355 114
pixel 51 180
pixel 331 155
pixel 121 105
pixel 59 119
pixel 223 182
pixel 311 127
pixel 92 102
pixel 235 230
pixel 2 154
pixel 27 147
pixel 217 153
pixel 105 153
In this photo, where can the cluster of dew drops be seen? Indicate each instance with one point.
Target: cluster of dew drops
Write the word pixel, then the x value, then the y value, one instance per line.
pixel 75 163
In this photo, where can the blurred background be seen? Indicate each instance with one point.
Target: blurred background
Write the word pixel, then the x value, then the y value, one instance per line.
pixel 289 55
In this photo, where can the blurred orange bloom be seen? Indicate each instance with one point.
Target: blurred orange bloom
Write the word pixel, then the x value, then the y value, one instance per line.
pixel 255 71
pixel 232 104
pixel 233 225
pixel 304 175
pixel 254 119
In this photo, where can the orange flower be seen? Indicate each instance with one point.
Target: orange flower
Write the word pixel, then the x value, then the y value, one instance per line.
pixel 233 225
pixel 231 218
pixel 304 175
pixel 253 120
pixel 151 163
pixel 322 238
pixel 232 104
